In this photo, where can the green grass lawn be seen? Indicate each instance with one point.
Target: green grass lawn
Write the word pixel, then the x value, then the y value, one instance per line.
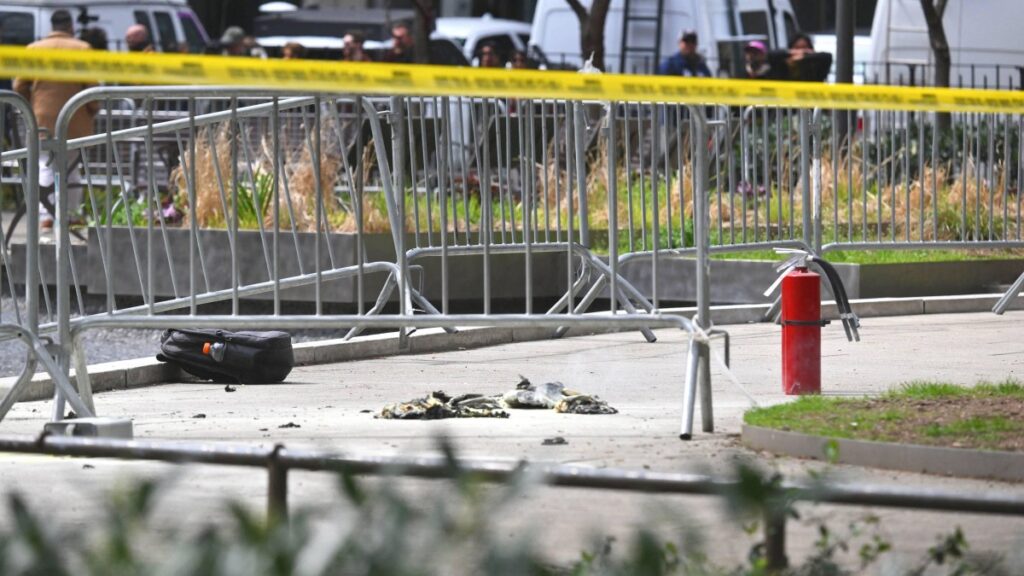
pixel 986 416
pixel 887 256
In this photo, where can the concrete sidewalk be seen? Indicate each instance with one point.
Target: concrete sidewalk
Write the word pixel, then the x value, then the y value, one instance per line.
pixel 644 381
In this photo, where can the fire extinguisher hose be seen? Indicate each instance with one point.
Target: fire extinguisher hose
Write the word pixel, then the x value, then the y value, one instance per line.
pixel 846 315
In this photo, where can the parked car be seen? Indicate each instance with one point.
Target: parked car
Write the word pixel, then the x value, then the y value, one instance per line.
pixel 328 25
pixel 722 27
pixel 507 36
pixel 171 23
pixel 443 51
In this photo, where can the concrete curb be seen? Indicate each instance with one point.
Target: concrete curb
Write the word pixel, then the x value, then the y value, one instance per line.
pixel 129 374
pixel 960 462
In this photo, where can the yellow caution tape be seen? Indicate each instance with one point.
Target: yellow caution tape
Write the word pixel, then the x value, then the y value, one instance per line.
pixel 419 80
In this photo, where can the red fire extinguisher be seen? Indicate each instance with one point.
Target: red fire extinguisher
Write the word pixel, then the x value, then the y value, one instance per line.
pixel 801 332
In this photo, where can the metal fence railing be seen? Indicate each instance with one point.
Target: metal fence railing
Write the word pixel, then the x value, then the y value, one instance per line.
pixel 279 461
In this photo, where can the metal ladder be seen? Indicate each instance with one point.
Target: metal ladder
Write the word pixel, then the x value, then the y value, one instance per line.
pixel 911 63
pixel 627 48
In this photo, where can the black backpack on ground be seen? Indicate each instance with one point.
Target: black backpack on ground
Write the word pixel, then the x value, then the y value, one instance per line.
pixel 231 357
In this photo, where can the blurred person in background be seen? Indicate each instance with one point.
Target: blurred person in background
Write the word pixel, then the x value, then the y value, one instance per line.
pixel 95 37
pixel 232 42
pixel 758 67
pixel 293 51
pixel 136 38
pixel 488 56
pixel 48 98
pixel 353 48
pixel 799 62
pixel 686 62
pixel 519 61
pixel 803 63
pixel 403 47
pixel 252 48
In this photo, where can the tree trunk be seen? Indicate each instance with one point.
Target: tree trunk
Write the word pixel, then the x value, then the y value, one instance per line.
pixel 592 29
pixel 937 38
pixel 940 49
pixel 424 26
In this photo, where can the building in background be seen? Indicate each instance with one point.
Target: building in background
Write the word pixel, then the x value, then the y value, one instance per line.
pixel 818 16
pixel 814 16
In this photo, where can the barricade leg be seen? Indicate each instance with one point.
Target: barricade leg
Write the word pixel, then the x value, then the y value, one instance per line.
pixel 1004 303
pixel 40 354
pixel 82 381
pixel 690 388
pixel 11 397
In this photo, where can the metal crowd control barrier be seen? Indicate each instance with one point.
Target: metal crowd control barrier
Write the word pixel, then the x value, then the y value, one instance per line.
pixel 445 143
pixel 19 314
pixel 913 188
pixel 483 177
pixel 818 180
pixel 239 165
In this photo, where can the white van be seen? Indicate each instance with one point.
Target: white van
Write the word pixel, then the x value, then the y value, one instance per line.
pixel 172 24
pixel 722 28
pixel 985 41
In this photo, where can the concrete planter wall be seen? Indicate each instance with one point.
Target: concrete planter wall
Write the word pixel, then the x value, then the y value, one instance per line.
pixel 744 281
pixel 466 272
pixel 733 281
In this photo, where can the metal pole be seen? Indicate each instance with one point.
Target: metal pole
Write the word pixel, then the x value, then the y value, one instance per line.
pixel 277 487
pixel 398 136
pixel 845 22
pixel 552 475
pixel 805 173
pixel 613 205
pixel 579 123
pixel 59 149
pixel 775 538
pixel 32 214
pixel 702 238
pixel 816 179
pixel 690 389
pixel 702 218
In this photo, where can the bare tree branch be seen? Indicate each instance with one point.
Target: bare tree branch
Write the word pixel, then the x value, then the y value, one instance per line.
pixel 578 8
pixel 940 7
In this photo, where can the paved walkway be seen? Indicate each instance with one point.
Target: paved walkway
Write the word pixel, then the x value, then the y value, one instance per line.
pixel 330 404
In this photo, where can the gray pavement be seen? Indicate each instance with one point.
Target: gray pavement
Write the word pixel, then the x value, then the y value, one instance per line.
pixel 644 381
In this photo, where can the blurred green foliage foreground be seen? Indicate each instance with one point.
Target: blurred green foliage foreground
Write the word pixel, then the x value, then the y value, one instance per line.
pixel 386 532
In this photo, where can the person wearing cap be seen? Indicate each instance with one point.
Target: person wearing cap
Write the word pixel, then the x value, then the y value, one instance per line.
pixel 48 99
pixel 758 67
pixel 799 62
pixel 232 42
pixel 686 62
